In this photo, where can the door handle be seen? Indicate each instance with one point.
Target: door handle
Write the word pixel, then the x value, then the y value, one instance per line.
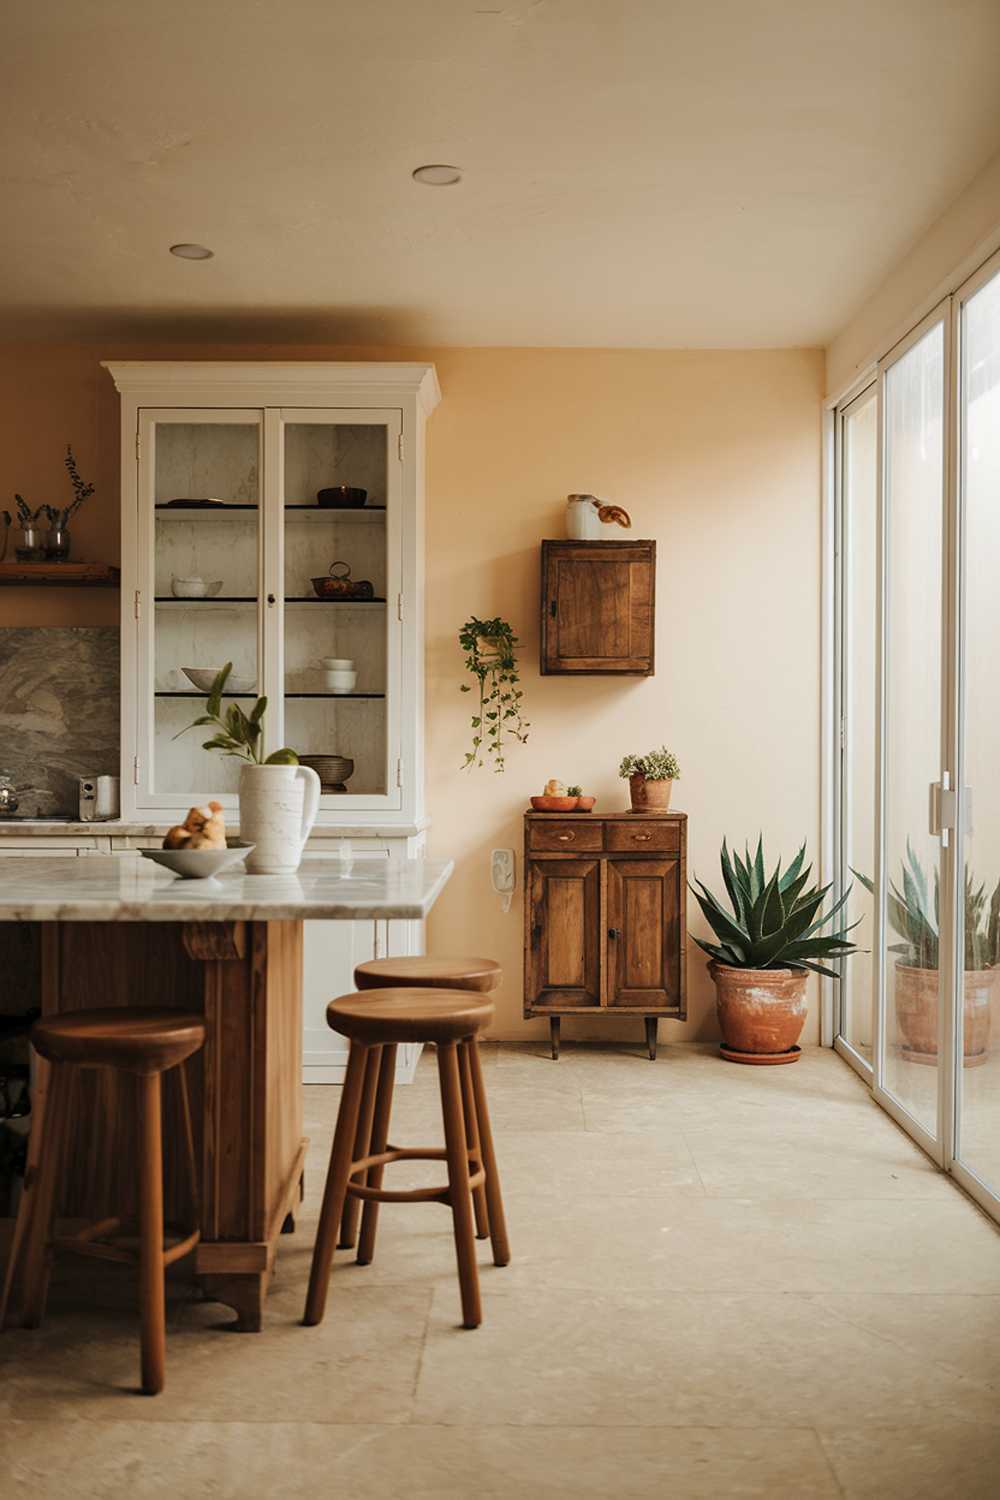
pixel 614 932
pixel 536 933
pixel 552 609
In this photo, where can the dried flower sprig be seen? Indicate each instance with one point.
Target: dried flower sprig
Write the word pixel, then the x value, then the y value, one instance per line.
pixel 80 490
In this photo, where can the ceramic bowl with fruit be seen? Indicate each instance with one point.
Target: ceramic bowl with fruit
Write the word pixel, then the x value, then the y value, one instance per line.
pixel 554 799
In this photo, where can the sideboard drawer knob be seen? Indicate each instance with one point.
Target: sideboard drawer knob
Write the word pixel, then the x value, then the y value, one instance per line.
pixel 565 838
pixel 614 932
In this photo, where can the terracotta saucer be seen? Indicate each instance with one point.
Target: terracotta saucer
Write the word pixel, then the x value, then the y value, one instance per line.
pixel 760 1059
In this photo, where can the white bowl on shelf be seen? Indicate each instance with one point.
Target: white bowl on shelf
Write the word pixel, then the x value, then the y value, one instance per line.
pixel 195 588
pixel 203 677
pixel 340 682
pixel 337 663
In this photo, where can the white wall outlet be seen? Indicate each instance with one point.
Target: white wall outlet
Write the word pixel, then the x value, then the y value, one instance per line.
pixel 503 874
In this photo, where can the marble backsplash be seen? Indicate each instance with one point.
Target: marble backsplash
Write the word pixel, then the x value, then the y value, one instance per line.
pixel 59 694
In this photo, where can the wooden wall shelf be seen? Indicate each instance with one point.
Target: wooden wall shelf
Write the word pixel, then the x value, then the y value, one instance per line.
pixel 91 575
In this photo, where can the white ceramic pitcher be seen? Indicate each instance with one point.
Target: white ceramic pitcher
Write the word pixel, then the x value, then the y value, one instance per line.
pixel 278 806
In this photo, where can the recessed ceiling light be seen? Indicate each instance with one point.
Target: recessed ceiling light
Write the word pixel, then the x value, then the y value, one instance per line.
pixel 192 252
pixel 436 174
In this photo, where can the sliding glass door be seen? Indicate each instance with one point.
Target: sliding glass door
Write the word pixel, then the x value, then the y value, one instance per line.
pixel 909 908
pixel 917 795
pixel 977 1032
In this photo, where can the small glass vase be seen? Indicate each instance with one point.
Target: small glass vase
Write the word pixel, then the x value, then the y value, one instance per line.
pixel 57 544
pixel 32 545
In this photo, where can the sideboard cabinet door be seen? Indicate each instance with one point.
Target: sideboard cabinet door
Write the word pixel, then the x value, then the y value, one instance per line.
pixel 644 944
pixel 597 607
pixel 563 920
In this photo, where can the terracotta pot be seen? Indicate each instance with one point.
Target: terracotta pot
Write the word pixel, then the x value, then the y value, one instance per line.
pixel 916 996
pixel 585 804
pixel 649 796
pixel 761 1012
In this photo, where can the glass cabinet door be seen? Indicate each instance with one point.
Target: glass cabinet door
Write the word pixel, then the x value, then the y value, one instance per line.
pixel 201 538
pixel 337 560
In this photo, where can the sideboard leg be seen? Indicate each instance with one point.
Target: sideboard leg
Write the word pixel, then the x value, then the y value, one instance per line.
pixel 245 1294
pixel 554 1036
pixel 651 1037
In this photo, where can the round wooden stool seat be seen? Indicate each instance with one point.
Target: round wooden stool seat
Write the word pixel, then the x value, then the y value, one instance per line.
pixel 429 972
pixel 137 1041
pixel 408 1015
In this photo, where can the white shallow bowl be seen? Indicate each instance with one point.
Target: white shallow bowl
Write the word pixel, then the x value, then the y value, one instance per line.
pixel 337 663
pixel 195 588
pixel 203 677
pixel 199 864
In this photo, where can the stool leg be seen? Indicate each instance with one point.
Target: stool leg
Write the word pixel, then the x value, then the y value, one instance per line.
pixel 37 1255
pixel 472 1136
pixel 459 1195
pixel 336 1185
pixel 362 1146
pixel 498 1222
pixel 379 1142
pixel 152 1295
pixel 189 1151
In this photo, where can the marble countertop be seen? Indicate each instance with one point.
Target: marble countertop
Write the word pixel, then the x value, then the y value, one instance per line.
pixel 107 888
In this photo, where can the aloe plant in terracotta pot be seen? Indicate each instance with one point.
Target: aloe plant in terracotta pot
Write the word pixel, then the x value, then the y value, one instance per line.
pixel 650 779
pixel 915 916
pixel 766 945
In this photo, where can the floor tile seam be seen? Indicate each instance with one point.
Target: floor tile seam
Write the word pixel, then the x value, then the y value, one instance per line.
pixel 931 1361
pixel 828 1460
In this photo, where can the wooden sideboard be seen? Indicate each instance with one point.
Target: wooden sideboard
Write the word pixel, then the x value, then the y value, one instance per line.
pixel 605 930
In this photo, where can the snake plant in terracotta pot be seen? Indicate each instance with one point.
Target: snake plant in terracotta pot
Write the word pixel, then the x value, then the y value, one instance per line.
pixel 915 916
pixel 765 946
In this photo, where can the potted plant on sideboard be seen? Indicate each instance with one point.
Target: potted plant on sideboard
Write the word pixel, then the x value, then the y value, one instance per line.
pixel 650 779
pixel 766 946
pixel 917 985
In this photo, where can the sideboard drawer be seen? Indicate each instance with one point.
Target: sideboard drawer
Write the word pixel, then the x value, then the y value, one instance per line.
pixel 644 834
pixel 564 834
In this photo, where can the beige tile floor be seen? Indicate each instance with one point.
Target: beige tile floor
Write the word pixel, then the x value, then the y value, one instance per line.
pixel 727 1282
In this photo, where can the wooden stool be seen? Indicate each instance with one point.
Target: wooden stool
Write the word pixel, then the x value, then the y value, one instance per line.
pixel 145 1043
pixel 376 1022
pixel 428 972
pixel 425 972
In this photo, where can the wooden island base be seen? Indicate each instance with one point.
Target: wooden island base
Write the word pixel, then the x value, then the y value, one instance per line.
pixel 245 978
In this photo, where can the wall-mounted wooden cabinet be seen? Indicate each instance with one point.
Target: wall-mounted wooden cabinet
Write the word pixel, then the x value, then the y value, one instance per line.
pixel 605 929
pixel 598 602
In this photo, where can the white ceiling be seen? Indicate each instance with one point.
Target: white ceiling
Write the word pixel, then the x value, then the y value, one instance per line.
pixel 637 172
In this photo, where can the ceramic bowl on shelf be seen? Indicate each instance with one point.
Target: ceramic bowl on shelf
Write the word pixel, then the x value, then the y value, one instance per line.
pixel 203 677
pixel 199 864
pixel 340 682
pixel 337 663
pixel 341 497
pixel 554 804
pixel 195 588
pixel 333 770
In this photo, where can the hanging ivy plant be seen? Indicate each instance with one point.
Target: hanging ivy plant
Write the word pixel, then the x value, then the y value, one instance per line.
pixel 490 648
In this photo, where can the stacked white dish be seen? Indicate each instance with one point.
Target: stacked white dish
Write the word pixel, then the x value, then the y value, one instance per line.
pixel 339 674
pixel 195 588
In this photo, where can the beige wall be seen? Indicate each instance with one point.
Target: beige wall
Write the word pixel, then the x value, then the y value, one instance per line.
pixel 716 454
pixel 962 236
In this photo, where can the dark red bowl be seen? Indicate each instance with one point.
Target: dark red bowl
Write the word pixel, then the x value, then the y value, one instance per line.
pixel 341 497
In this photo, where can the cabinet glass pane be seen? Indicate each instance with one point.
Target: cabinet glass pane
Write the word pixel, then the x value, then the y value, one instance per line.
pixel 914 501
pixel 206 571
pixel 860 532
pixel 979 1081
pixel 336 581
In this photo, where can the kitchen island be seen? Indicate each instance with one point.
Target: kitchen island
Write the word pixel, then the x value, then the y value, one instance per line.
pixel 109 930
